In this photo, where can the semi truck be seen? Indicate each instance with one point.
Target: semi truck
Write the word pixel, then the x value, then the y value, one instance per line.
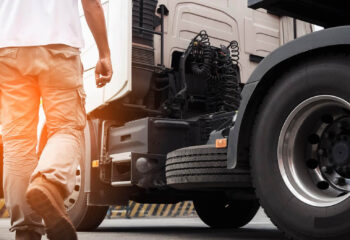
pixel 186 117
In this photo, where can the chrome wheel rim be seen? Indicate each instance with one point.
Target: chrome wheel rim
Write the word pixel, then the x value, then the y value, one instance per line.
pixel 308 159
pixel 73 197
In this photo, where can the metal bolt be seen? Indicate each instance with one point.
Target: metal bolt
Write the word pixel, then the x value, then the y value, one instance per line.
pixel 340 181
pixel 327 169
pixel 323 185
pixel 312 163
pixel 143 165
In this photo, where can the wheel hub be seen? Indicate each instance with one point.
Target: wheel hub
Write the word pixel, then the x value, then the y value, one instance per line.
pixel 335 162
pixel 73 197
pixel 314 151
pixel 340 153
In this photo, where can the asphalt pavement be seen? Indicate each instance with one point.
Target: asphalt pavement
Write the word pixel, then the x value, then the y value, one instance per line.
pixel 169 229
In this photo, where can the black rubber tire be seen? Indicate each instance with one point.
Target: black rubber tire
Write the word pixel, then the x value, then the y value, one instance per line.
pixel 84 217
pixel 199 167
pixel 220 212
pixel 321 75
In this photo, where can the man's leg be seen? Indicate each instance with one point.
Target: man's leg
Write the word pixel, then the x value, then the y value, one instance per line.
pixel 63 101
pixel 19 114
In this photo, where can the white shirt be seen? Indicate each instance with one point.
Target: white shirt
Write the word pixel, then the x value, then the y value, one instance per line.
pixel 40 22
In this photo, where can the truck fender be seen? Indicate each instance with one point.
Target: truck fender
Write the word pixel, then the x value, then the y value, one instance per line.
pixel 263 76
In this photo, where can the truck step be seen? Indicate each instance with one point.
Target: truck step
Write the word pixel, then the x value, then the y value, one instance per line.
pixel 121 169
pixel 121 158
pixel 121 184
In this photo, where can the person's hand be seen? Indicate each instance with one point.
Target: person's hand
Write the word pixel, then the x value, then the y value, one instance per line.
pixel 103 72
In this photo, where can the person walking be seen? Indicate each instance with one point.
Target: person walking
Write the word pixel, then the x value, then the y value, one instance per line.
pixel 40 59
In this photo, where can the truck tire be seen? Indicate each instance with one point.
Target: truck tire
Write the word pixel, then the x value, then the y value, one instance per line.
pixel 84 217
pixel 300 150
pixel 200 167
pixel 220 212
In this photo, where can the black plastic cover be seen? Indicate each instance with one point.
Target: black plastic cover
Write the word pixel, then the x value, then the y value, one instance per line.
pixel 326 13
pixel 153 136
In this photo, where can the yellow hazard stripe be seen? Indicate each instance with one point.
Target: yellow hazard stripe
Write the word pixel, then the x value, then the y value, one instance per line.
pixel 175 210
pixel 184 207
pixel 159 212
pixel 190 210
pixel 167 210
pixel 151 210
pixel 123 214
pixel 135 210
pixel 143 210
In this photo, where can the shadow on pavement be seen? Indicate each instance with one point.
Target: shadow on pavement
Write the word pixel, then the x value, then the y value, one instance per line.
pixel 200 232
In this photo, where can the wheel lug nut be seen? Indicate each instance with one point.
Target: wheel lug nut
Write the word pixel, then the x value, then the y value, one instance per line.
pixel 340 181
pixel 312 163
pixel 323 185
pixel 327 169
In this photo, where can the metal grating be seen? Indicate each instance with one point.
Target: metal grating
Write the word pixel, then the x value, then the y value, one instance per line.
pixel 144 16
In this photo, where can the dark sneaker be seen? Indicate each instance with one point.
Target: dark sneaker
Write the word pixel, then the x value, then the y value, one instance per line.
pixel 46 200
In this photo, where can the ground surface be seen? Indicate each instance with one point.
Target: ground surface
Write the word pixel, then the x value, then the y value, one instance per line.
pixel 169 229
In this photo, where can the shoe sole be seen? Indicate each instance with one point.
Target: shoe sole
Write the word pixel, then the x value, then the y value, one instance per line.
pixel 58 225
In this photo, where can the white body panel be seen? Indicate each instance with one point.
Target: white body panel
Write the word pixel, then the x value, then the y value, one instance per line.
pixel 257 32
pixel 119 25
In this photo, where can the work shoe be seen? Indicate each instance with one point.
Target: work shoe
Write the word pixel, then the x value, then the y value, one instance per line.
pixel 27 235
pixel 46 200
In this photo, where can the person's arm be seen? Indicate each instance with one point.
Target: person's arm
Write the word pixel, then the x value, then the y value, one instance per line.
pixel 96 20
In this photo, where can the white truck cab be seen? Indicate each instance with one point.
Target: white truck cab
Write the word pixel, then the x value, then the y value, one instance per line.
pixel 258 33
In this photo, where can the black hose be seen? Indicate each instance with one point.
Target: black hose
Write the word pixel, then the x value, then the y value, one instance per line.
pixel 219 67
pixel 202 54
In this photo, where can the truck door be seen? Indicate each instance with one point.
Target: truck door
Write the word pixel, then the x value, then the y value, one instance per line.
pixel 119 25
